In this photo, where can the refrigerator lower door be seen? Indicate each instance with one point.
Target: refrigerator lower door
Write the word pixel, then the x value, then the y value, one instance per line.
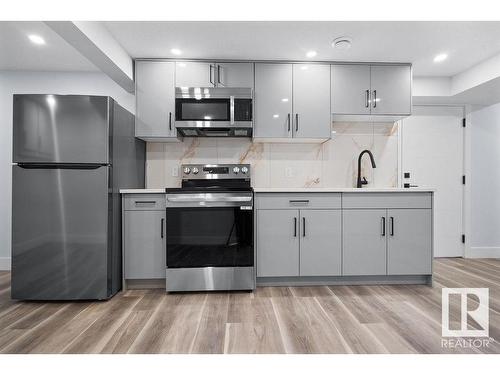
pixel 60 242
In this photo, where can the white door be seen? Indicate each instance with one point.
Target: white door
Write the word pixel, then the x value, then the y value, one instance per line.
pixel 432 152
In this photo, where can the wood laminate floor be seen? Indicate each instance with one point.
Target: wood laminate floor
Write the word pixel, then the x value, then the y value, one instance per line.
pixel 337 319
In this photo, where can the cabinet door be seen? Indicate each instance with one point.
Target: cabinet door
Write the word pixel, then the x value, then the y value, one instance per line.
pixel 273 100
pixel 194 74
pixel 364 250
pixel 144 244
pixel 155 99
pixel 235 75
pixel 391 89
pixel 311 101
pixel 350 89
pixel 409 246
pixel 320 243
pixel 277 243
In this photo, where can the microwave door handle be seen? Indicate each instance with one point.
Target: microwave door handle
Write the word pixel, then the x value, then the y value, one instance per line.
pixel 231 109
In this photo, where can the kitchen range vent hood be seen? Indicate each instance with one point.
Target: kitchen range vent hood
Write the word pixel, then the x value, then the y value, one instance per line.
pixel 214 111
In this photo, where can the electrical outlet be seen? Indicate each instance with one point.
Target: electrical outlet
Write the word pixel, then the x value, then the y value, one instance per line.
pixel 175 171
pixel 289 172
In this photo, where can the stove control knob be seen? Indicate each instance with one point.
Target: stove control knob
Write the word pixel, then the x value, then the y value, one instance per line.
pixel 195 170
pixel 244 170
pixel 187 170
pixel 236 170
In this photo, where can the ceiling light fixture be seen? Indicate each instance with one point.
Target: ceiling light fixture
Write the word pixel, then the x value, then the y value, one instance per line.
pixel 36 39
pixel 176 51
pixel 441 57
pixel 343 43
pixel 311 54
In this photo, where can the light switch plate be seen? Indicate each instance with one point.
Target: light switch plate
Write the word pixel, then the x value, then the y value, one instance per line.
pixel 289 172
pixel 175 171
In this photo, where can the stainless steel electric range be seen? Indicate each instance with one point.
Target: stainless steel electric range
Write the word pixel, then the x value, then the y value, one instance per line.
pixel 210 229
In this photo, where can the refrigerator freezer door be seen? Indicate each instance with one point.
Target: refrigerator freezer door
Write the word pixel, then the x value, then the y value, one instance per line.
pixel 61 129
pixel 60 244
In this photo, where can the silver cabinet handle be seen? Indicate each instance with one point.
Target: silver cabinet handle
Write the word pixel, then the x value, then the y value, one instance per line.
pixel 145 202
pixel 288 120
pixel 383 226
pixel 367 98
pixel 374 98
pixel 211 80
pixel 218 75
pixel 392 226
pixel 170 121
pixel 296 122
pixel 299 201
pixel 303 227
pixel 161 230
pixel 295 227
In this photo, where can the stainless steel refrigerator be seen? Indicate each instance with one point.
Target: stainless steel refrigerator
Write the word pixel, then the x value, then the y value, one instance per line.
pixel 71 155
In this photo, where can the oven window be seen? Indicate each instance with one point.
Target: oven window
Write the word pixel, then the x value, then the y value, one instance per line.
pixel 209 237
pixel 202 110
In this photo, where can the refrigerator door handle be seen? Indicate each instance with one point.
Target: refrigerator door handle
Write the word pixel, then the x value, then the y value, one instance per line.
pixel 60 166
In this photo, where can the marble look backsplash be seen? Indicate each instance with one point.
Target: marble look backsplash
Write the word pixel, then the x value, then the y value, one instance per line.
pixel 330 164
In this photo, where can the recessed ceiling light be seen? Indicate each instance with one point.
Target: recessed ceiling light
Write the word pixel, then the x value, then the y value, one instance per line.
pixel 36 39
pixel 311 53
pixel 344 42
pixel 284 100
pixel 440 57
pixel 176 51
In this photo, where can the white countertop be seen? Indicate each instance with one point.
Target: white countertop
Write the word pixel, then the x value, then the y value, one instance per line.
pixel 303 190
pixel 142 191
pixel 342 190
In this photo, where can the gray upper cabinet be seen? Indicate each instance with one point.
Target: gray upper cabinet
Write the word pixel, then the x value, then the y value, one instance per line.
pixel 391 89
pixel 144 244
pixel 375 90
pixel 320 243
pixel 409 250
pixel 213 74
pixel 273 101
pixel 311 101
pixel 350 89
pixel 234 74
pixel 195 74
pixel 292 101
pixel 155 100
pixel 277 243
pixel 364 237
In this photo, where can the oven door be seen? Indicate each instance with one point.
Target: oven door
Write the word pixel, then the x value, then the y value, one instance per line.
pixel 209 230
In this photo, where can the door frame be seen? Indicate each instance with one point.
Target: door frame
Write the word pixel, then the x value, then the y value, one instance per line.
pixel 466 147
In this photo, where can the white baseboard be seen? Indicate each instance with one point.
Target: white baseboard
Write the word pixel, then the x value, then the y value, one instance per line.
pixel 4 263
pixel 483 252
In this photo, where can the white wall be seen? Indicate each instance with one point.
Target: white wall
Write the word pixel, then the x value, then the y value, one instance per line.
pixel 85 83
pixel 485 182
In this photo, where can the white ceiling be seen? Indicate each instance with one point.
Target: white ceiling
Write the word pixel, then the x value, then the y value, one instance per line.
pixel 467 43
pixel 17 52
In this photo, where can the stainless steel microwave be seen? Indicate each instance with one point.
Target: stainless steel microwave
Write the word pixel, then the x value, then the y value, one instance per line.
pixel 214 111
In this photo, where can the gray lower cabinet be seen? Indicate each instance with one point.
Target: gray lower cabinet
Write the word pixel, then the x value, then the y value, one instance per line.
pixel 277 243
pixel 320 243
pixel 155 101
pixel 299 242
pixel 364 237
pixel 409 244
pixel 144 245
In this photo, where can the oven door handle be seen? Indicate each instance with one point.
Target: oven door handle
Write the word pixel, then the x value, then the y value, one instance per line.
pixel 208 200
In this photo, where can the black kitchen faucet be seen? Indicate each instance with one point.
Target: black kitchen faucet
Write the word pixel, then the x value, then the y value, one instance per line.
pixel 363 181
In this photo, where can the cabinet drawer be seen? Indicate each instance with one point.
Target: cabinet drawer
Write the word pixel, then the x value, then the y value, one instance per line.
pixel 387 200
pixel 297 200
pixel 144 202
